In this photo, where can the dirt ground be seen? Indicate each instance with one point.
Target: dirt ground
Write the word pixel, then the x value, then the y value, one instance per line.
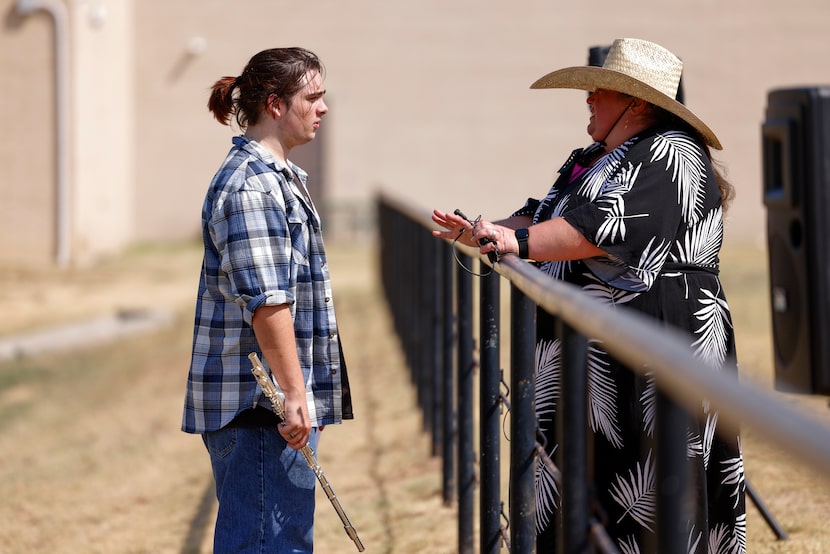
pixel 94 462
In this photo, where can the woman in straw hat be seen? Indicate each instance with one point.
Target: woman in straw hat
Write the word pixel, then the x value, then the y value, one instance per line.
pixel 637 219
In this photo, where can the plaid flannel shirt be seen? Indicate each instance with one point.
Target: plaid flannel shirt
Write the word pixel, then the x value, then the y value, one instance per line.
pixel 263 247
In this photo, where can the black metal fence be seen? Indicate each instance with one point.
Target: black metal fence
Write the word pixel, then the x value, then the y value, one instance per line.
pixel 430 296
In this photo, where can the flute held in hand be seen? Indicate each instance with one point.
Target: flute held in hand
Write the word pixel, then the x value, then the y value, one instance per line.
pixel 277 398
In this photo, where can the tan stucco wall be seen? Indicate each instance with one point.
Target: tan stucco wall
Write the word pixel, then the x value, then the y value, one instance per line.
pixel 27 156
pixel 100 106
pixel 103 133
pixel 429 99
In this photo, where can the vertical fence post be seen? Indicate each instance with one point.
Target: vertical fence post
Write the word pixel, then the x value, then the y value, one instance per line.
pixel 447 388
pixel 522 423
pixel 436 342
pixel 672 486
pixel 466 469
pixel 422 321
pixel 571 432
pixel 490 412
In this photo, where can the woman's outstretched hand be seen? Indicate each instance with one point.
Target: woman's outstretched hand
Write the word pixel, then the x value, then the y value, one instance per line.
pixel 484 235
pixel 455 227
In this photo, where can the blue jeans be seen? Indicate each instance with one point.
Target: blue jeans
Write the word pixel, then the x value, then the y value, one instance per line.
pixel 265 491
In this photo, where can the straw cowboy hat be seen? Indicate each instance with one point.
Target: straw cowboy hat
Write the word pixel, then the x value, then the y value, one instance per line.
pixel 638 68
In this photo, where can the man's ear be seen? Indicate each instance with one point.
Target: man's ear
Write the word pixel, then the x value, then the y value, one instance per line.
pixel 275 106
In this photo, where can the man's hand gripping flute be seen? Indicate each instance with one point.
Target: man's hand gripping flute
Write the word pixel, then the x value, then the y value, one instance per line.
pixel 269 388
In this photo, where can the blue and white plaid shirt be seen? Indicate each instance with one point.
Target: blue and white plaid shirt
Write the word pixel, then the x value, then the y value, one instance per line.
pixel 263 247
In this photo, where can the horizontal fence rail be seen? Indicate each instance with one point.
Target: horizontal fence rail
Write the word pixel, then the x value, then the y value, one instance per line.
pixel 433 314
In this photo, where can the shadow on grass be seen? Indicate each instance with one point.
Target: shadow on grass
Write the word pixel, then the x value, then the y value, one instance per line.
pixel 201 521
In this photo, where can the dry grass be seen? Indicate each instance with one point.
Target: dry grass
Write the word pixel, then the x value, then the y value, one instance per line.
pixel 94 461
pixel 795 495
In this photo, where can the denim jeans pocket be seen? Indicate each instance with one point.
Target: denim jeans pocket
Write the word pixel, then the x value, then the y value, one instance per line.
pixel 220 443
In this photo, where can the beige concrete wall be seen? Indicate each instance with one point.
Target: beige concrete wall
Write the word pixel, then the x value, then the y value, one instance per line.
pixel 100 108
pixel 27 155
pixel 429 100
pixel 103 133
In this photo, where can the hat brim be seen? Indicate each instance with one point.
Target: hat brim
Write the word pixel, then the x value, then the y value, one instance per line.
pixel 590 78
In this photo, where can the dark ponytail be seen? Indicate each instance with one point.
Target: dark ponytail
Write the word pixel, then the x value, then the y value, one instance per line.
pixel 221 102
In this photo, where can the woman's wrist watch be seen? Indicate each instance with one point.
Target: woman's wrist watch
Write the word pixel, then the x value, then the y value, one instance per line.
pixel 521 238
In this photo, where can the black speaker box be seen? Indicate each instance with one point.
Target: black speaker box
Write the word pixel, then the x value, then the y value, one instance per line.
pixel 796 193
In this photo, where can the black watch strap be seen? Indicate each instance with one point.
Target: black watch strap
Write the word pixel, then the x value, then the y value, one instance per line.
pixel 521 238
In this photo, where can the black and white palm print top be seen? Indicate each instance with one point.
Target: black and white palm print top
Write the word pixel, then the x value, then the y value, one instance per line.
pixel 654 206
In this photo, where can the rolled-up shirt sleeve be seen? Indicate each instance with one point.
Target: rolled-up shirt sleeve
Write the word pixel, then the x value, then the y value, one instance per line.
pixel 252 234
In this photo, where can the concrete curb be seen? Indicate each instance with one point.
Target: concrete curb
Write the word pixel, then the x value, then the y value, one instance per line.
pixel 83 334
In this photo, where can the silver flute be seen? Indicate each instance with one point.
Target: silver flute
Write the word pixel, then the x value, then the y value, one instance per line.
pixel 271 390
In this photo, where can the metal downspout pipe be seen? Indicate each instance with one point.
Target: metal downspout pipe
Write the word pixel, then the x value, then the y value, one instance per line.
pixel 57 9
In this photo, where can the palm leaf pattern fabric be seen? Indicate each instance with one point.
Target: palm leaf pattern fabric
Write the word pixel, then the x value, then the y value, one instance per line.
pixel 653 206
